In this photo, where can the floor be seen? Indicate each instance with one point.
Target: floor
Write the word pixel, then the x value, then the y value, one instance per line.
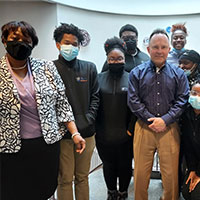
pixel 98 189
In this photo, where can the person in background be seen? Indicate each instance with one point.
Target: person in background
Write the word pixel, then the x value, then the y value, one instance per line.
pixel 133 55
pixel 80 79
pixel 190 129
pixel 34 114
pixel 157 95
pixel 114 145
pixel 189 61
pixel 178 41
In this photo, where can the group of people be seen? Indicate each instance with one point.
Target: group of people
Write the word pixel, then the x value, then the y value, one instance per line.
pixel 54 113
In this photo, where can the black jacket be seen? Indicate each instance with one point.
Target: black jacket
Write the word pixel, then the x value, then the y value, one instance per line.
pixel 80 79
pixel 114 117
pixel 131 61
pixel 190 139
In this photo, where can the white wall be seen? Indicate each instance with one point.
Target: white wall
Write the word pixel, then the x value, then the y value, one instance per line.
pixel 42 16
pixel 45 16
pixel 103 25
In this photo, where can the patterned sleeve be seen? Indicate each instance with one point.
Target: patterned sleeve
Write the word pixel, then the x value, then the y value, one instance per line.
pixel 63 108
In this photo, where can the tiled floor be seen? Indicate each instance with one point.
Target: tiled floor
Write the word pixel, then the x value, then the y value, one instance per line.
pixel 98 189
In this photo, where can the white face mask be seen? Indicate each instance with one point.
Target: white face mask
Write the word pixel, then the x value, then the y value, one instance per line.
pixel 69 52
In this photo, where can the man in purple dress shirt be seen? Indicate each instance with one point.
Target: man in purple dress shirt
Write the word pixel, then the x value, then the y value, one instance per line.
pixel 157 95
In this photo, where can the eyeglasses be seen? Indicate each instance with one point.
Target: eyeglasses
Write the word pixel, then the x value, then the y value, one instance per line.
pixel 194 93
pixel 118 59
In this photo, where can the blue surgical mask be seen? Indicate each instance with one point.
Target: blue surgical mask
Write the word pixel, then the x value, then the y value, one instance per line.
pixel 69 52
pixel 187 72
pixel 194 101
pixel 179 51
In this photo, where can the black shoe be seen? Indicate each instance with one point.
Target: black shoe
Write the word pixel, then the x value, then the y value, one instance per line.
pixel 122 195
pixel 112 195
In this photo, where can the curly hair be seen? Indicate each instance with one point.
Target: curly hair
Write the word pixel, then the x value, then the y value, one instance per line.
pixel 27 30
pixel 114 43
pixel 69 29
pixel 179 27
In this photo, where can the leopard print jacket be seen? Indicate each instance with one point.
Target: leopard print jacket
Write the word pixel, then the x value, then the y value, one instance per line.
pixel 52 104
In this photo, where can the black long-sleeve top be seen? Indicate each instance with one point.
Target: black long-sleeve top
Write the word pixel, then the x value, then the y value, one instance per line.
pixel 114 117
pixel 190 138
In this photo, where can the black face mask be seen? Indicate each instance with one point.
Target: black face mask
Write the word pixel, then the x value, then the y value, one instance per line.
pixel 131 45
pixel 19 50
pixel 116 67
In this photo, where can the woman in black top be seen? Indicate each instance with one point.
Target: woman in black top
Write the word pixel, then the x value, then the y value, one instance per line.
pixel 113 143
pixel 190 129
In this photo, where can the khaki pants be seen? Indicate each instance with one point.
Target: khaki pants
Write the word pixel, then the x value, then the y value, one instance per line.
pixel 167 143
pixel 74 167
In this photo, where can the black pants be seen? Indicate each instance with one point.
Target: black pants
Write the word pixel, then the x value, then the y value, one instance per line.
pixel 117 163
pixel 194 195
pixel 30 174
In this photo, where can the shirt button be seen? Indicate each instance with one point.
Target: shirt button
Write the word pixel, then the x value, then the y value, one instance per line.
pixel 158 93
pixel 158 82
pixel 158 104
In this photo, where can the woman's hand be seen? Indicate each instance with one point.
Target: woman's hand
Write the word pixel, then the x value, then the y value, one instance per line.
pixel 76 137
pixel 194 180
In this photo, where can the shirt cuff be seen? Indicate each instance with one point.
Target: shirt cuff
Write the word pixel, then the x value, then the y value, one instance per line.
pixel 167 119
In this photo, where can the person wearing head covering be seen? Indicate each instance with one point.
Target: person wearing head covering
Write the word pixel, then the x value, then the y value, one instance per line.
pixel 113 143
pixel 34 115
pixel 178 41
pixel 133 56
pixel 189 61
pixel 190 138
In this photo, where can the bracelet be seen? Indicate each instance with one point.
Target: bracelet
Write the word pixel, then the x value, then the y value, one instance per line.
pixel 74 134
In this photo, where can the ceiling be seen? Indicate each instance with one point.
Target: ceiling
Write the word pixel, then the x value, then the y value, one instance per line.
pixel 136 7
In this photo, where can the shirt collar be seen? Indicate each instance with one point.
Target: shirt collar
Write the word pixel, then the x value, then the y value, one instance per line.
pixel 156 69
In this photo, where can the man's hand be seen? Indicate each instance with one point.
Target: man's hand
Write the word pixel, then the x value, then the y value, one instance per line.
pixel 194 180
pixel 157 125
pixel 80 143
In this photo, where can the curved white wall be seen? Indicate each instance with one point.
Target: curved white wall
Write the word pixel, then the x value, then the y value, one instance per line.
pixel 46 16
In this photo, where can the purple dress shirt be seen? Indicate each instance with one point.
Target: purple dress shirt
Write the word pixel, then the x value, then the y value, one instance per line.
pixel 162 93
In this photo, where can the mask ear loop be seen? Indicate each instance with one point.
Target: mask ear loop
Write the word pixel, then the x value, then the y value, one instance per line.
pixel 193 68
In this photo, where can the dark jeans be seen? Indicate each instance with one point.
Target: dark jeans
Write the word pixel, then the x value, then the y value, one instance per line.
pixel 194 195
pixel 117 164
